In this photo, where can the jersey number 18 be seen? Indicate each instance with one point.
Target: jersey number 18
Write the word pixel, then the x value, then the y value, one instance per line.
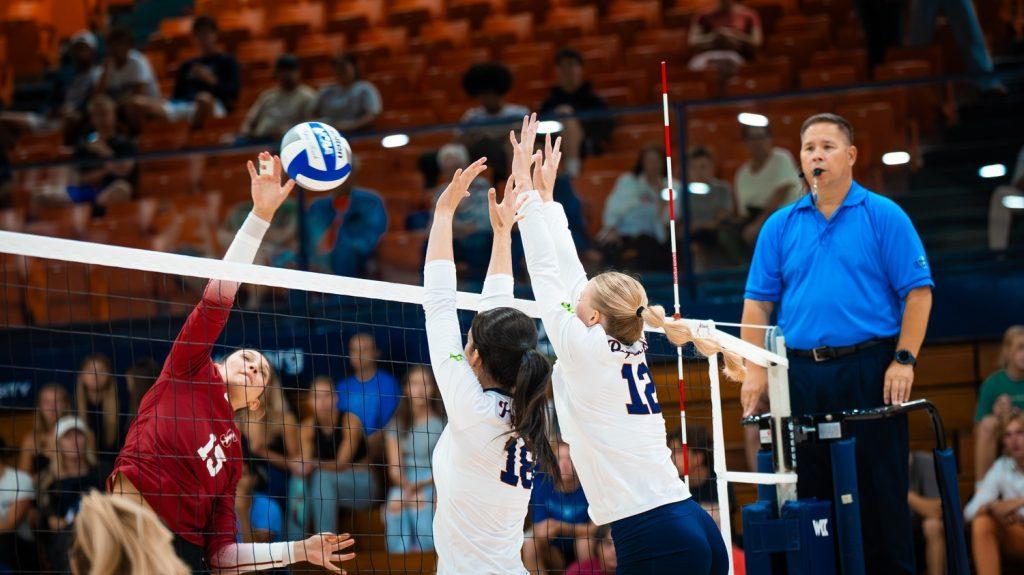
pixel 637 375
pixel 523 462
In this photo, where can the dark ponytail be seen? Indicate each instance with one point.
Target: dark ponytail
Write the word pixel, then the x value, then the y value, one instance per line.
pixel 506 340
pixel 530 414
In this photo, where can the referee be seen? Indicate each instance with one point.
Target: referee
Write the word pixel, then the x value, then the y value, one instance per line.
pixel 849 276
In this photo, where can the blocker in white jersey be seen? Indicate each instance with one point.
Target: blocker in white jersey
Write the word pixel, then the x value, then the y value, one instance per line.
pixel 605 398
pixel 484 462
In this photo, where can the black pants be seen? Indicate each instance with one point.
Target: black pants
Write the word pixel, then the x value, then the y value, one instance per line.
pixel 883 450
pixel 193 556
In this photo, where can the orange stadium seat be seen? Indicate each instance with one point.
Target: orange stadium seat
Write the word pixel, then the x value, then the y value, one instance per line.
pixel 529 53
pixel 473 10
pixel 259 53
pixel 39 147
pixel 831 77
pixel 161 136
pixel 392 119
pixel 240 24
pixel 72 218
pixel 12 219
pixel 138 213
pixel 753 84
pixel 12 291
pixel 441 35
pixel 627 18
pixel 380 42
pixel 411 14
pixel 314 48
pixel 569 22
pixel 798 46
pixel 292 20
pixel 162 178
pixel 352 16
pixel 800 23
pixel 400 254
pixel 855 58
pixel 58 292
pixel 500 30
pixel 123 293
pixel 593 188
pixel 877 132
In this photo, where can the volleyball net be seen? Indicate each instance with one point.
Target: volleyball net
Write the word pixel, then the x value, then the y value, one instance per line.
pixel 85 329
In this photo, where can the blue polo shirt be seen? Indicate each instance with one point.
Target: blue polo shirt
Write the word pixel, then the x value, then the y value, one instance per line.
pixel 839 281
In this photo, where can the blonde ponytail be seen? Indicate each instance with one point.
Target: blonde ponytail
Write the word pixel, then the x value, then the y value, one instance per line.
pixel 679 333
pixel 622 302
pixel 115 535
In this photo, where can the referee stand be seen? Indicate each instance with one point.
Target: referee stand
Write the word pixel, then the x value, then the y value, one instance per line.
pixel 784 534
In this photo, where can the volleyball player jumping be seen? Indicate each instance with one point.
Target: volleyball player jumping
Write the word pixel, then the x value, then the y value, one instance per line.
pixel 494 392
pixel 605 398
pixel 183 454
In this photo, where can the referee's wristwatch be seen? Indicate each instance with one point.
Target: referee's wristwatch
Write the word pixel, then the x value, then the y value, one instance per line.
pixel 904 357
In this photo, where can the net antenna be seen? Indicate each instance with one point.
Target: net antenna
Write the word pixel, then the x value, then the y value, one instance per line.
pixel 773 358
pixel 676 313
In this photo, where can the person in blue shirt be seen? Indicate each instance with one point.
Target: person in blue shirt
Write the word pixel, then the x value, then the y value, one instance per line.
pixel 370 393
pixel 344 228
pixel 561 527
pixel 847 274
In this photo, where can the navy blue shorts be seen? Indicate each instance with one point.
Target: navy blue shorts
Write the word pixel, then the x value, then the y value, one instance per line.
pixel 678 538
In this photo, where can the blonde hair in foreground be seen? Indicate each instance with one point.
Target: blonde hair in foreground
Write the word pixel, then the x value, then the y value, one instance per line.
pixel 617 296
pixel 114 536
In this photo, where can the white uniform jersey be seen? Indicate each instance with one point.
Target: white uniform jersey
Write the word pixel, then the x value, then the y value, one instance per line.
pixel 605 398
pixel 482 475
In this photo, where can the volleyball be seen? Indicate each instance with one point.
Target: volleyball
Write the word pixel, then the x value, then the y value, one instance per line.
pixel 316 156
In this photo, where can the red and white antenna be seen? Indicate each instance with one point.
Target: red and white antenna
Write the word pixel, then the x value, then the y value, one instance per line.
pixel 675 269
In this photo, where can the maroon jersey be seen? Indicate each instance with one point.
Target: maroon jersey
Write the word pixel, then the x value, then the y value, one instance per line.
pixel 183 451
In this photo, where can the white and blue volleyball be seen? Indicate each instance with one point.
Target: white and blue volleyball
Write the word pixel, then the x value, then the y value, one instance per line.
pixel 316 156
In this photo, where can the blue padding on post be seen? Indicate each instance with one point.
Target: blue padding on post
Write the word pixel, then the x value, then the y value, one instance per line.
pixel 846 497
pixel 766 464
pixel 957 562
pixel 816 554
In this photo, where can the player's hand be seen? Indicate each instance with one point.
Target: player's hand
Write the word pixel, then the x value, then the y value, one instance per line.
pixel 324 549
pixel 503 215
pixel 899 379
pixel 754 391
pixel 522 151
pixel 458 188
pixel 267 192
pixel 544 174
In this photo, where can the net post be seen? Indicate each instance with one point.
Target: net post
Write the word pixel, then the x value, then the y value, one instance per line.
pixel 779 406
pixel 718 443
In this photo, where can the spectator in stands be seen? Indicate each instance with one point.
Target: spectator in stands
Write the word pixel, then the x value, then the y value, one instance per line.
pixel 17 497
pixel 1000 215
pixel 925 501
pixel 711 212
pixel 963 20
pixel 634 232
pixel 471 230
pixel 331 442
pixel 350 105
pixel 260 519
pixel 126 71
pixel 278 109
pixel 408 447
pixel 38 446
pixel 573 94
pixel 602 551
pixel 995 511
pixel 1000 398
pixel 371 393
pixel 73 473
pixel 85 73
pixel 114 534
pixel 344 228
pixel 703 484
pixel 100 406
pixel 724 37
pixel 561 529
pixel 271 445
pixel 139 377
pixel 207 85
pixel 488 83
pixel 106 174
pixel 765 182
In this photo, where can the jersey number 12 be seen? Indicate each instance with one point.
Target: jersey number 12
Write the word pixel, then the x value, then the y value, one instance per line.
pixel 637 375
pixel 524 475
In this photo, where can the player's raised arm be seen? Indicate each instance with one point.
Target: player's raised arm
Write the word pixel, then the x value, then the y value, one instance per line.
pixel 499 283
pixel 544 174
pixel 267 196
